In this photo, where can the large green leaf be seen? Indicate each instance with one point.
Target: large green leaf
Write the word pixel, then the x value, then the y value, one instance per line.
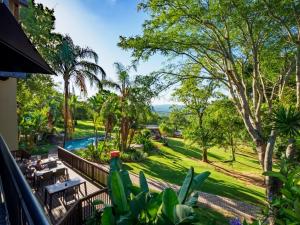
pixel 126 182
pixel 124 219
pixel 184 190
pixel 199 180
pixel 153 206
pixel 169 201
pixel 183 214
pixel 193 200
pixel 137 204
pixel 275 174
pixel 107 217
pixel 118 193
pixel 143 182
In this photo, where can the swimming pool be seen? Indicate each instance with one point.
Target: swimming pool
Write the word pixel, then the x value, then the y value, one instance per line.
pixel 81 143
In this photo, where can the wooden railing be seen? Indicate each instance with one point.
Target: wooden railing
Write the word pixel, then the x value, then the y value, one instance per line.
pixel 83 209
pixel 20 154
pixel 87 168
pixel 21 204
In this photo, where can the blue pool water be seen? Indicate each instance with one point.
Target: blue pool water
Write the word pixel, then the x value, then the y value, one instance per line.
pixel 81 143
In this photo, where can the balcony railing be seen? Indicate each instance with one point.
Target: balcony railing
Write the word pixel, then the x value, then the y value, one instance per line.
pixel 21 204
pixel 87 168
pixel 83 209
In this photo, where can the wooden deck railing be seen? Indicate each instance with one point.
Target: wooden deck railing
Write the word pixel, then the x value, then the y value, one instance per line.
pixel 21 154
pixel 83 209
pixel 89 169
pixel 21 204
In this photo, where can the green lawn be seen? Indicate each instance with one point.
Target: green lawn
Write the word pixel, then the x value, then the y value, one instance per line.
pixel 174 161
pixel 84 128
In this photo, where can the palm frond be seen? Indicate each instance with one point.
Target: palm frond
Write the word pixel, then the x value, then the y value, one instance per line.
pixel 111 84
pixel 90 66
pixel 85 53
pixel 287 121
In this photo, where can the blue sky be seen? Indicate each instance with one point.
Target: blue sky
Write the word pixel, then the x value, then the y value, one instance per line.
pixel 98 24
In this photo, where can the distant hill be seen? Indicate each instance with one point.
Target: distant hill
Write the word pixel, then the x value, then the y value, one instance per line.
pixel 164 109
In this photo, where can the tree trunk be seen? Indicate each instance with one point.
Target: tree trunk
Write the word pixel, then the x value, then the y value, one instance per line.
pixel 204 155
pixel 96 138
pixel 268 163
pixel 232 149
pixel 132 133
pixel 261 150
pixel 124 133
pixel 66 111
pixel 298 76
pixel 291 149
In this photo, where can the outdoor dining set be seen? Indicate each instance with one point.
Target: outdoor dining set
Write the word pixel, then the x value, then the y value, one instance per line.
pixel 49 176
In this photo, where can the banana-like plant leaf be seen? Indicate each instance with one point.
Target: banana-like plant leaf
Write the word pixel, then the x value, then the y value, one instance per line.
pixel 193 200
pixel 143 182
pixel 137 204
pixel 169 201
pixel 124 220
pixel 115 164
pixel 199 180
pixel 126 182
pixel 184 190
pixel 183 214
pixel 107 217
pixel 118 193
pixel 153 205
pixel 275 174
pixel 297 207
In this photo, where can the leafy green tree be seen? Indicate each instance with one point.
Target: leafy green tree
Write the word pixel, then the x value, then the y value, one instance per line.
pixel 234 42
pixel 231 127
pixel 38 22
pixel 286 14
pixel 132 104
pixel 196 97
pixel 95 105
pixel 72 62
pixel 177 117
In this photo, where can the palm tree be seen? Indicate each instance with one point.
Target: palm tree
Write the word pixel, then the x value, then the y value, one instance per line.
pixel 130 104
pixel 287 123
pixel 73 62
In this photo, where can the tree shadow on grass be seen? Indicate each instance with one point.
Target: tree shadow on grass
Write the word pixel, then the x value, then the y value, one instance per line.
pixel 175 173
pixel 183 149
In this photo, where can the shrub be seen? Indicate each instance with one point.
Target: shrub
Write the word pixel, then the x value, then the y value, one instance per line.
pixel 137 205
pixel 144 138
pixel 285 206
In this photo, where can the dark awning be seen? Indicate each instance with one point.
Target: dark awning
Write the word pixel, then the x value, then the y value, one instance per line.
pixel 17 54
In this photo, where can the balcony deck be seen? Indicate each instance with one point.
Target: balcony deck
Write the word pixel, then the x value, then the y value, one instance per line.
pixel 59 209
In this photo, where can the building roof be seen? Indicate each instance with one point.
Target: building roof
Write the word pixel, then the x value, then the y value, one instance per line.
pixel 17 54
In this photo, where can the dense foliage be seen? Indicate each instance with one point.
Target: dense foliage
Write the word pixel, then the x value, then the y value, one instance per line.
pixel 139 205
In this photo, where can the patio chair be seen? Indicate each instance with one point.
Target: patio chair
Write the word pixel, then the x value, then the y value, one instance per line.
pixel 52 164
pixel 61 175
pixel 45 179
pixel 71 194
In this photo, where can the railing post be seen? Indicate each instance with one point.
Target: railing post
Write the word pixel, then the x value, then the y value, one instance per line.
pixel 93 172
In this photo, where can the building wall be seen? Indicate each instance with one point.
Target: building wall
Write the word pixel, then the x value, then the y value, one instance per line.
pixel 8 112
pixel 8 103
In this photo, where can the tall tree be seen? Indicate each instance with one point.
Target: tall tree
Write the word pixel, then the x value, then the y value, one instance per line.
pixel 73 62
pixel 132 102
pixel 287 15
pixel 233 42
pixel 196 97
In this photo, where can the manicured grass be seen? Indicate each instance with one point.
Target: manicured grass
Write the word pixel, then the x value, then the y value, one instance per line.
pixel 172 163
pixel 84 128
